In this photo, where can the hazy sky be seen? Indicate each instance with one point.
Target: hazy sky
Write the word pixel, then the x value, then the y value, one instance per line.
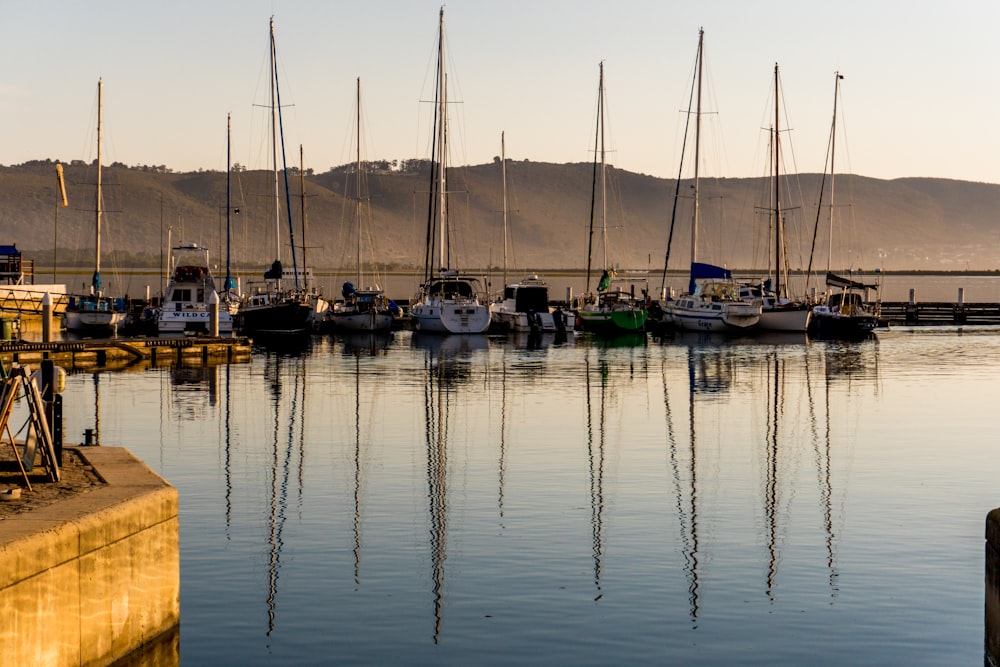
pixel 920 93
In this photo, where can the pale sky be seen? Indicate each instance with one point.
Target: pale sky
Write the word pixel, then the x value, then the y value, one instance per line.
pixel 920 89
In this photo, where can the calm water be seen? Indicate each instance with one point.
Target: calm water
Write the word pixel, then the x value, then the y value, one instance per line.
pixel 469 500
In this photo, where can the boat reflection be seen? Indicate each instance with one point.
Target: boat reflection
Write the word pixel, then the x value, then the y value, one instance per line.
pixel 595 463
pixel 444 368
pixel 449 346
pixel 191 384
pixel 802 401
pixel 638 339
pixel 283 375
pixel 370 343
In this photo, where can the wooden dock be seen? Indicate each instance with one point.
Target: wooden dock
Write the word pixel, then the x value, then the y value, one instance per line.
pixel 127 352
pixel 940 313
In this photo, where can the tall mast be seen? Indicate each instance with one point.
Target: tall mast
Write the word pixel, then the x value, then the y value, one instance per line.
pixel 96 280
pixel 604 179
pixel 833 150
pixel 697 150
pixel 442 148
pixel 230 283
pixel 274 151
pixel 357 210
pixel 302 200
pixel 778 235
pixel 503 195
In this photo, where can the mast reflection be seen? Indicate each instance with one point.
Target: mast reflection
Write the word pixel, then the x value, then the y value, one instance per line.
pixel 447 365
pixel 283 451
pixel 595 460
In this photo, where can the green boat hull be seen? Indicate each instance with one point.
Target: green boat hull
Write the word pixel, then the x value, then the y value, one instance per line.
pixel 629 320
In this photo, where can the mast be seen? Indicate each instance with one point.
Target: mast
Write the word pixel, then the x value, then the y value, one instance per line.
pixel 441 137
pixel 593 183
pixel 230 283
pixel 604 178
pixel 822 186
pixel 302 203
pixel 357 210
pixel 680 169
pixel 503 174
pixel 697 152
pixel 778 235
pixel 833 150
pixel 96 280
pixel 274 153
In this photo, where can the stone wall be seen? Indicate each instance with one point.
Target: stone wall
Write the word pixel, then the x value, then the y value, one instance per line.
pixel 92 578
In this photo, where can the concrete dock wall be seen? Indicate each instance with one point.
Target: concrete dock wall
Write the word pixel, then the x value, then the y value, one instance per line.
pixel 92 578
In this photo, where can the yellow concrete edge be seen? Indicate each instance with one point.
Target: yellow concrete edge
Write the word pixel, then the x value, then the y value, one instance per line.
pixel 134 498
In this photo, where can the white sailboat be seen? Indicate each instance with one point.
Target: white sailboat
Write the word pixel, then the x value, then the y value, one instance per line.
pixel 712 302
pixel 524 305
pixel 779 312
pixel 363 308
pixel 95 314
pixel 448 302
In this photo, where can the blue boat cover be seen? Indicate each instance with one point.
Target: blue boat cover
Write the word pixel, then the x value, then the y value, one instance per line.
pixel 700 270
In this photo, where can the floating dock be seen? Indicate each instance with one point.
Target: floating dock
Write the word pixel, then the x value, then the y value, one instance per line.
pixel 126 352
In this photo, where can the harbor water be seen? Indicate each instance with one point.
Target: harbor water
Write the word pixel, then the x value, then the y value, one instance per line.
pixel 492 500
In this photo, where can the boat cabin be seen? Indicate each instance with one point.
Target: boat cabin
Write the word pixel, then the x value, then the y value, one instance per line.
pixel 453 287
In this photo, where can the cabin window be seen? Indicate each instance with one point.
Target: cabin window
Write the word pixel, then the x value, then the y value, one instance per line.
pixel 181 294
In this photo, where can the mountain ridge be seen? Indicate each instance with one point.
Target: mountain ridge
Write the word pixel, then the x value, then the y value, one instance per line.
pixel 907 223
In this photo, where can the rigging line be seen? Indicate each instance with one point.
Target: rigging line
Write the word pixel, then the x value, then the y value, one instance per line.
pixel 822 185
pixel 680 169
pixel 593 184
pixel 284 164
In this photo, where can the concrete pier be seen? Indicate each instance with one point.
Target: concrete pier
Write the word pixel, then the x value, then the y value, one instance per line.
pixel 93 577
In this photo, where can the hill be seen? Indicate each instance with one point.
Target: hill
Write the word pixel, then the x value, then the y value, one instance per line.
pixel 902 224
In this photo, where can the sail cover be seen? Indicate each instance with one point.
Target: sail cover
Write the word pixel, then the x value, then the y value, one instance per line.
pixel 833 280
pixel 700 270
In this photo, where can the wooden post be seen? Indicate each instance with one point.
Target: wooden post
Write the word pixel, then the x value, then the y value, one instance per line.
pixel 913 296
pixel 47 318
pixel 213 315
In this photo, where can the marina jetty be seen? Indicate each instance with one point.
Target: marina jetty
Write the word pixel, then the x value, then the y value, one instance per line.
pixel 91 562
pixel 120 353
pixel 940 313
pixel 89 539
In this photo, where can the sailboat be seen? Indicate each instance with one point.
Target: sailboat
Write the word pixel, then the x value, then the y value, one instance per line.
pixel 614 309
pixel 712 302
pixel 95 314
pixel 779 312
pixel 850 309
pixel 450 301
pixel 363 308
pixel 524 305
pixel 271 309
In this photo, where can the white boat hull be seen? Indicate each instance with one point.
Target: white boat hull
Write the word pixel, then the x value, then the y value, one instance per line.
pixel 785 320
pixel 94 322
pixel 730 317
pixel 181 322
pixel 464 317
pixel 361 321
